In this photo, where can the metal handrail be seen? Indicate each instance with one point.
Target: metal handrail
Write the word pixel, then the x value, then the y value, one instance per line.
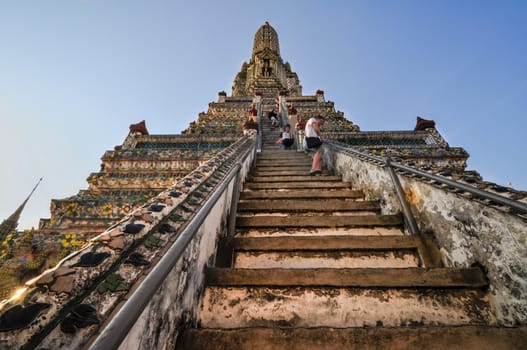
pixel 386 161
pixel 117 329
pixel 407 213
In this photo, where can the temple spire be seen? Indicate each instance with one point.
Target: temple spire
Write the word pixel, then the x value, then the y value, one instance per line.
pixel 266 39
pixel 266 73
pixel 11 223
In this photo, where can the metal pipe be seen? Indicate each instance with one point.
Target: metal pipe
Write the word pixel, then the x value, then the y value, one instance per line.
pixel 473 190
pixel 407 213
pixel 117 329
pixel 234 202
pixel 467 188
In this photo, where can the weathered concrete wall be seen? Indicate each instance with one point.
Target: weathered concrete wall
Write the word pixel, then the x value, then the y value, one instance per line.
pixel 466 231
pixel 178 299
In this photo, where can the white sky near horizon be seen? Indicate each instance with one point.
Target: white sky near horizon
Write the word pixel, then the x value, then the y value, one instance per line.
pixel 74 74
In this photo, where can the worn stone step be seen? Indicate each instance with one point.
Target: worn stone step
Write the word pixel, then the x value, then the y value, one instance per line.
pixel 295 172
pixel 240 307
pixel 337 259
pixel 312 183
pixel 319 232
pixel 318 221
pixel 339 250
pixel 328 243
pixel 283 154
pixel 397 338
pixel 349 278
pixel 294 178
pixel 301 193
pixel 304 168
pixel 283 162
pixel 286 155
pixel 331 205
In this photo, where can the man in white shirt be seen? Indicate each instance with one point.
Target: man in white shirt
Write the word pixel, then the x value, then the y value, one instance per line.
pixel 313 142
pixel 286 138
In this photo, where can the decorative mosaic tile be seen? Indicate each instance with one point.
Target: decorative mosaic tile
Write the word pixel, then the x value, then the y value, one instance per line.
pixel 116 243
pixel 81 316
pixel 166 228
pixel 152 241
pixel 133 228
pixel 137 259
pixel 114 283
pixel 62 284
pixel 91 259
pixel 19 316
pixel 156 207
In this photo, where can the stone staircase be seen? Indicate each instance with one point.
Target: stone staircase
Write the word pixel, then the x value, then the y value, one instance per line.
pixel 315 266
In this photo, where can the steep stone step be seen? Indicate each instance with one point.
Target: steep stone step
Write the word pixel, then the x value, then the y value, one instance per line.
pixel 320 232
pixel 328 243
pixel 301 170
pixel 330 205
pixel 314 183
pixel 313 252
pixel 325 259
pixel 400 338
pixel 278 168
pixel 342 307
pixel 318 221
pixel 301 193
pixel 349 278
pixel 283 162
pixel 286 155
pixel 291 178
pixel 348 245
pixel 283 154
pixel 296 172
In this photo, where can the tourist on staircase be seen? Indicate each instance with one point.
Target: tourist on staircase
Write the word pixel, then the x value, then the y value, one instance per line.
pixel 273 117
pixel 313 142
pixel 286 139
pixel 299 127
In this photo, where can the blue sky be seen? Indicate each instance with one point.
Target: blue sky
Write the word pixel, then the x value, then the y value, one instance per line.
pixel 75 74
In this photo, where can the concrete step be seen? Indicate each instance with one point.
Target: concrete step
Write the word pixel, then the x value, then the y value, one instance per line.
pixel 338 259
pixel 299 221
pixel 331 205
pixel 296 172
pixel 334 243
pixel 333 251
pixel 284 154
pixel 349 278
pixel 291 178
pixel 283 162
pixel 279 168
pixel 330 252
pixel 301 193
pixel 342 307
pixel 313 183
pixel 397 338
pixel 284 167
pixel 319 232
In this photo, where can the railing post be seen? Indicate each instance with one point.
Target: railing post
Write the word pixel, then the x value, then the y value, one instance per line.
pixel 299 140
pixel 257 145
pixel 407 213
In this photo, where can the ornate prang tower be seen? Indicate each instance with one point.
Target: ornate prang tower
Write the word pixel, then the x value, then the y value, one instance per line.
pixel 266 73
